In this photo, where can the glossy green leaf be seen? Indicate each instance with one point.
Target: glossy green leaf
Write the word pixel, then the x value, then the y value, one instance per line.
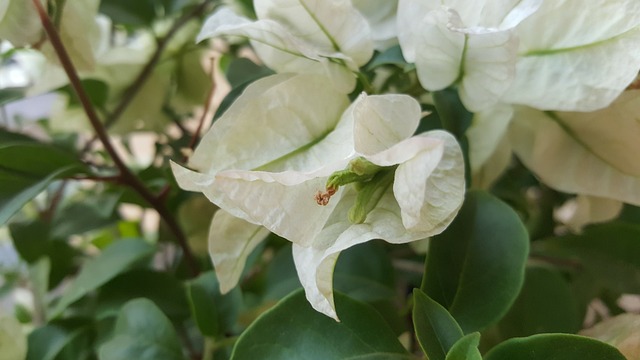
pixel 475 268
pixel 115 260
pixel 142 332
pixel 293 330
pixel 213 312
pixel 545 305
pixel 437 331
pixel 91 213
pixel 553 347
pixel 466 348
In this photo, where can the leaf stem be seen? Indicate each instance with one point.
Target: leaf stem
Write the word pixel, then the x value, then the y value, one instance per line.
pixel 126 176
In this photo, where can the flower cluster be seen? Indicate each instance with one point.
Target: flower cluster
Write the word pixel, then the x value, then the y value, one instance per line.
pixel 294 156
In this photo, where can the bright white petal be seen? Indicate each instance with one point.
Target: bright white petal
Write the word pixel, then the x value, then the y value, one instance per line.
pixel 411 13
pixel 315 270
pixel 282 202
pixel 384 120
pixel 569 62
pixel 231 240
pixel 488 69
pixel 569 160
pixel 280 122
pixel 429 187
pixel 494 14
pixel 329 25
pixel 485 176
pixel 279 48
pixel 438 50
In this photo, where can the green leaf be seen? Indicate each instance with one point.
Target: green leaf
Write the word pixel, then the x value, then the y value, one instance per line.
pixel 475 268
pixel 115 260
pixel 293 330
pixel 391 56
pixel 97 90
pixel 162 288
pixel 60 340
pixel 137 13
pixel 545 305
pixel 30 239
pixel 26 169
pixel 92 212
pixel 142 332
pixel 466 348
pixel 437 331
pixel 213 312
pixel 599 254
pixel 8 95
pixel 553 347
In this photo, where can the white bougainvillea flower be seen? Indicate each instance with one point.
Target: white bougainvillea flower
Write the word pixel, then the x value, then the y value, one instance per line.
pixel 468 43
pixel 576 55
pixel 598 149
pixel 292 156
pixel 302 36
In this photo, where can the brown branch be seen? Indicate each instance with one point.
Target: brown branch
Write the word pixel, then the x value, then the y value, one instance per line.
pixel 126 176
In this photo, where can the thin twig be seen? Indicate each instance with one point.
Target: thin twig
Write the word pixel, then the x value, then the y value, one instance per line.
pixel 205 111
pixel 126 176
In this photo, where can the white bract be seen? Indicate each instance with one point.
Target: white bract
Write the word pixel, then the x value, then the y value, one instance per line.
pixel 292 156
pixel 576 55
pixel 469 43
pixel 586 153
pixel 302 36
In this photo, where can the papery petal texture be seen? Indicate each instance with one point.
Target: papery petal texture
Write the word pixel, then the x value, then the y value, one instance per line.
pixel 577 56
pixel 231 240
pixel 468 43
pixel 598 149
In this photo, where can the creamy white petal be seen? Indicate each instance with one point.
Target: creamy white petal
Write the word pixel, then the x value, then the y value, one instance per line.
pixel 231 241
pixel 438 50
pixel 281 121
pixel 583 210
pixel 585 165
pixel 280 49
pixel 487 128
pixel 330 25
pixel 569 62
pixel 381 121
pixel 19 22
pixel 429 187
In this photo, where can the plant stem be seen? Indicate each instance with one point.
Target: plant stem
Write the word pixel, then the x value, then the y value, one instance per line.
pixel 126 176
